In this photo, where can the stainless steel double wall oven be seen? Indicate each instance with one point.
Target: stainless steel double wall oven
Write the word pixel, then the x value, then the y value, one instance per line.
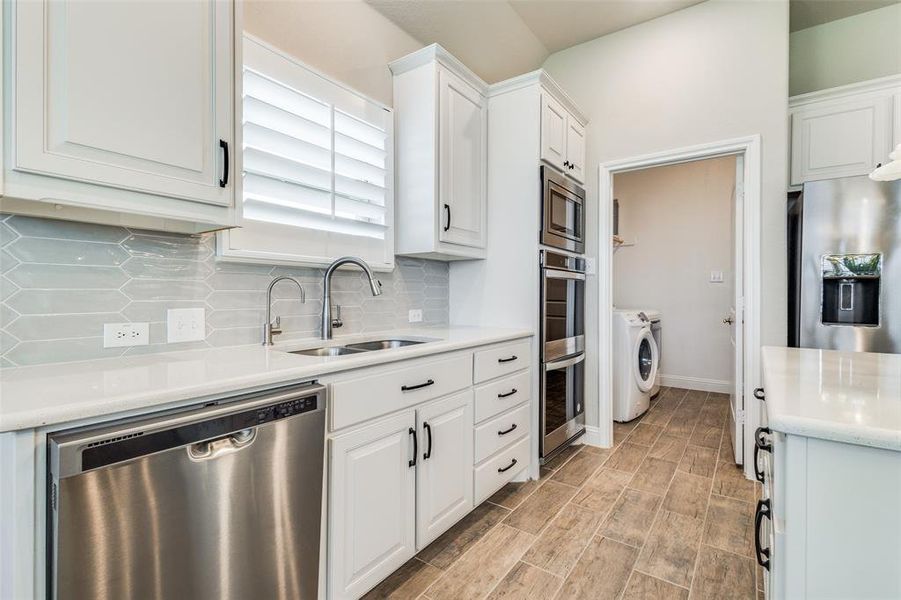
pixel 562 312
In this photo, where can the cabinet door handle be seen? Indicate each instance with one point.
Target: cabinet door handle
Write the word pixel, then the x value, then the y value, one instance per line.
pixel 507 394
pixel 760 443
pixel 447 213
pixel 506 431
pixel 412 461
pixel 758 393
pixel 410 388
pixel 508 359
pixel 428 453
pixel 566 163
pixel 508 467
pixel 762 554
pixel 224 180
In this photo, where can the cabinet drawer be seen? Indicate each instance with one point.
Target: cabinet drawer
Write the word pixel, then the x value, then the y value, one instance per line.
pixel 489 477
pixel 501 360
pixel 369 396
pixel 496 397
pixel 501 431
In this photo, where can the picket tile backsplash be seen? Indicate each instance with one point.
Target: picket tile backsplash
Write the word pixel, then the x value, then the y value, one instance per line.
pixel 62 280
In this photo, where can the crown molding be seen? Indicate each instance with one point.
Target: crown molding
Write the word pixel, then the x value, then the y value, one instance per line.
pixel 437 53
pixel 843 91
pixel 543 79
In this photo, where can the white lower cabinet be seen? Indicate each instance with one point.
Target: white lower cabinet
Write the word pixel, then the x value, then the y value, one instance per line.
pixel 413 448
pixel 372 503
pixel 444 466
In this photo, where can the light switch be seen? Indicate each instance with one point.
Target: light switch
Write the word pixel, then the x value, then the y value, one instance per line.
pixel 716 277
pixel 185 325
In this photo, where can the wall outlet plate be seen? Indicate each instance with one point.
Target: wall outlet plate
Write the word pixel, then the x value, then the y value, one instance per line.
pixel 185 325
pixel 119 335
pixel 415 315
pixel 716 277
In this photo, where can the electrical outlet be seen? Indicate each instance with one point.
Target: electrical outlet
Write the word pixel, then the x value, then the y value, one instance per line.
pixel 185 325
pixel 716 277
pixel 416 315
pixel 118 335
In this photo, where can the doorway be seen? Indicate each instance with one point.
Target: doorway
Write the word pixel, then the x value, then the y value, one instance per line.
pixel 678 252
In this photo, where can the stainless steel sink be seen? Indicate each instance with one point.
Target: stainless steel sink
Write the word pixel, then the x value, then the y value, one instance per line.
pixel 330 351
pixel 382 345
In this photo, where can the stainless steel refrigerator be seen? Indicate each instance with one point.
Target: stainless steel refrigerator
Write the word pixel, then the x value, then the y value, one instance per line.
pixel 844 271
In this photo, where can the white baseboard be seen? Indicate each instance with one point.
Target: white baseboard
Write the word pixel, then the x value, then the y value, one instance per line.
pixel 696 383
pixel 593 437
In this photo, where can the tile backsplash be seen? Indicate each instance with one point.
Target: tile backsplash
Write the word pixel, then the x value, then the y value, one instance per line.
pixel 60 281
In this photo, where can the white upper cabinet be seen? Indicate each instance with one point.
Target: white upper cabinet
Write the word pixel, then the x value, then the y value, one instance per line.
pixel 441 141
pixel 842 132
pixel 562 137
pixel 134 96
pixel 462 178
pixel 553 131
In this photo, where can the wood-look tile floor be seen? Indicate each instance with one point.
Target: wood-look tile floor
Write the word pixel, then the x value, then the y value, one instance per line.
pixel 664 514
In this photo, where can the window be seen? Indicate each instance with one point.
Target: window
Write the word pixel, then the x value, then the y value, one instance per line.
pixel 317 168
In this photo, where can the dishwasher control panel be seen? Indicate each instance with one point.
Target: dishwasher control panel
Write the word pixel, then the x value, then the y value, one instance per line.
pixel 287 409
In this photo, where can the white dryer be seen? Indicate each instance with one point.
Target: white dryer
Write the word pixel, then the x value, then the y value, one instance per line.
pixel 635 363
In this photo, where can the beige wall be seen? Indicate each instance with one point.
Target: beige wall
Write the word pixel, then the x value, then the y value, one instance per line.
pixel 710 72
pixel 345 39
pixel 857 48
pixel 680 219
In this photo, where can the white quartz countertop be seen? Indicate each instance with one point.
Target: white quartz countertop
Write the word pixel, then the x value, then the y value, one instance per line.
pixel 58 393
pixel 852 397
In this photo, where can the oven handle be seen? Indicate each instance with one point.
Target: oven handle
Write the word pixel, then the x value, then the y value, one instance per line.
pixel 564 364
pixel 555 274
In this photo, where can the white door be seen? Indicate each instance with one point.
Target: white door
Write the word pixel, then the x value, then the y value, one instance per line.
pixel 575 149
pixel 553 131
pixel 463 154
pixel 372 504
pixel 736 316
pixel 444 478
pixel 133 95
pixel 840 139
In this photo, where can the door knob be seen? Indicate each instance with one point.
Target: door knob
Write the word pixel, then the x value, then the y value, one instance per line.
pixel 728 321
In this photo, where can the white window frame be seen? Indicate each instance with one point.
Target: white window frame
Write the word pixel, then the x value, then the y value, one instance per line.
pixel 232 248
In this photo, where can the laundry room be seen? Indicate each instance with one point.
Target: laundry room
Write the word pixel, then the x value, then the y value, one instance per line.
pixel 674 281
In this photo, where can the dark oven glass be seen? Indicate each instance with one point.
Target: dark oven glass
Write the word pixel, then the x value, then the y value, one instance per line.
pixel 563 396
pixel 564 313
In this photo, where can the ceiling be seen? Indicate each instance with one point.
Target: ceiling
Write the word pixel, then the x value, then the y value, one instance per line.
pixel 499 39
pixel 807 13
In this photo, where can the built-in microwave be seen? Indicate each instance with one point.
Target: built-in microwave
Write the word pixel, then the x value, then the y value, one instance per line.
pixel 562 212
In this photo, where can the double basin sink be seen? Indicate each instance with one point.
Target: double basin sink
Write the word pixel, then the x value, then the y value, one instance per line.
pixel 358 348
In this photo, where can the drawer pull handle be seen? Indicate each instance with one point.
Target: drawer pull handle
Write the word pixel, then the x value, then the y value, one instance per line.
pixel 508 467
pixel 412 462
pixel 506 431
pixel 410 388
pixel 428 453
pixel 510 359
pixel 762 554
pixel 760 443
pixel 510 393
pixel 758 393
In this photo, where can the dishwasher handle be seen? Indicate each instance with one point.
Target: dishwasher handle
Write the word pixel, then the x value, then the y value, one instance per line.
pixel 227 444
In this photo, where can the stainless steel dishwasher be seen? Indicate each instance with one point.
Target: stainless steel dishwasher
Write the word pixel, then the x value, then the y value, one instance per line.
pixel 218 502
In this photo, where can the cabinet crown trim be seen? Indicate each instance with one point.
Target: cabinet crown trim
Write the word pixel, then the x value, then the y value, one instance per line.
pixel 437 53
pixel 548 83
pixel 844 91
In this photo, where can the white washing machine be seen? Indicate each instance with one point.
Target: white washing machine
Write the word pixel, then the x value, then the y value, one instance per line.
pixel 635 364
pixel 657 331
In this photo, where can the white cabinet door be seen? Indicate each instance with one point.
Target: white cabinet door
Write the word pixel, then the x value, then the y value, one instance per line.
pixel 840 138
pixel 444 479
pixel 553 131
pixel 132 95
pixel 463 154
pixel 575 149
pixel 372 504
